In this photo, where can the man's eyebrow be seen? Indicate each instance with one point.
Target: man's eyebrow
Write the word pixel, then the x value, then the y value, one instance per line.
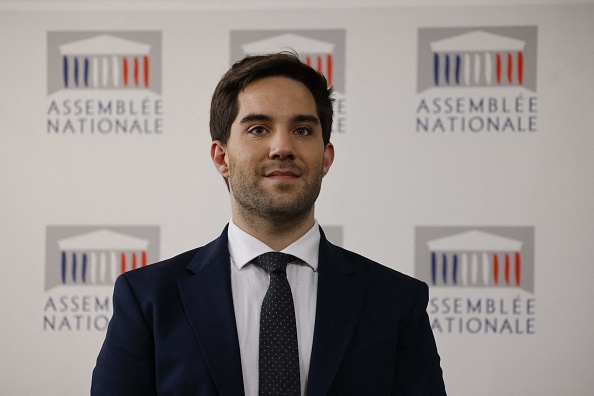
pixel 305 118
pixel 255 117
pixel 295 119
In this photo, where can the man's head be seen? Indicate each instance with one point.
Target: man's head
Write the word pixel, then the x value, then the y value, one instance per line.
pixel 224 106
pixel 271 146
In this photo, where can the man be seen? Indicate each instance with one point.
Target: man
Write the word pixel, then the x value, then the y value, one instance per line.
pixel 198 324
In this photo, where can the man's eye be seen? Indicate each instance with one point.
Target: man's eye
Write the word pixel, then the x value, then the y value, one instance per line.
pixel 303 131
pixel 257 130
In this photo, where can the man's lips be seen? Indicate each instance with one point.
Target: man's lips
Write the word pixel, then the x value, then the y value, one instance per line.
pixel 282 174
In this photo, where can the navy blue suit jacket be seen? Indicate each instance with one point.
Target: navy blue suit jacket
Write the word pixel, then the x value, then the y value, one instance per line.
pixel 173 330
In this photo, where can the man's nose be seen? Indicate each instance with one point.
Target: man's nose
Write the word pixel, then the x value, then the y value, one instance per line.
pixel 281 145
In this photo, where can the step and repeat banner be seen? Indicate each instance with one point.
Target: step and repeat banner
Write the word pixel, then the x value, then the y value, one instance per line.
pixel 464 153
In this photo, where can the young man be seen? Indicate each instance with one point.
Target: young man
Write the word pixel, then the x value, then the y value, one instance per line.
pixel 231 318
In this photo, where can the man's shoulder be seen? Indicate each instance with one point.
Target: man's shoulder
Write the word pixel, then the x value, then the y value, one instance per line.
pixel 385 285
pixel 174 263
pixel 176 266
pixel 162 271
pixel 376 271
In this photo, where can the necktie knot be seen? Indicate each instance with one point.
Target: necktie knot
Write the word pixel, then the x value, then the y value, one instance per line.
pixel 274 261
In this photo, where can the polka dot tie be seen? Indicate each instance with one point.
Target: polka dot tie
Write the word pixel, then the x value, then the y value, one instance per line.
pixel 279 356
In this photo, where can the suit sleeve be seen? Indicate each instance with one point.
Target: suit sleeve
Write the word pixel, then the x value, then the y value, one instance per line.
pixel 125 365
pixel 417 370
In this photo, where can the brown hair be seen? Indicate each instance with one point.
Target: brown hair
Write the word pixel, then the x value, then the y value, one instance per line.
pixel 224 106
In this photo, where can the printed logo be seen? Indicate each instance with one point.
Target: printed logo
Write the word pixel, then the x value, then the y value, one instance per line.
pixel 477 79
pixel 476 275
pixel 477 57
pixel 324 50
pixel 104 60
pixel 80 258
pixel 104 82
pixel 483 257
pixel 86 256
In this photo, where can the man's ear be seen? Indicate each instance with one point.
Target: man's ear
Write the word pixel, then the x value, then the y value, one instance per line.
pixel 328 158
pixel 218 154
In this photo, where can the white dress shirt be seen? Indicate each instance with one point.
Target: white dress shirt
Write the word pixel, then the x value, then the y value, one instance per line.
pixel 249 284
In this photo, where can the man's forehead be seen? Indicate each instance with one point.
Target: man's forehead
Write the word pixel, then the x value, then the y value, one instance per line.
pixel 278 78
pixel 265 84
pixel 268 96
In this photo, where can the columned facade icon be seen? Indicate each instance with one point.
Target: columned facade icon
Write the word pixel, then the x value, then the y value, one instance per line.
pixel 478 58
pixel 476 258
pixel 105 62
pixel 99 257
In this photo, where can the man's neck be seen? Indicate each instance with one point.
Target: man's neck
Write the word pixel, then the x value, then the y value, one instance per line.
pixel 277 235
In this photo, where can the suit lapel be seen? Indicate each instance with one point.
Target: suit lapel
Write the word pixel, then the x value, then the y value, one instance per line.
pixel 340 295
pixel 208 302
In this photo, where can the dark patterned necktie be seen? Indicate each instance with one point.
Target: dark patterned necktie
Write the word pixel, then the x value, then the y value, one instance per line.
pixel 279 356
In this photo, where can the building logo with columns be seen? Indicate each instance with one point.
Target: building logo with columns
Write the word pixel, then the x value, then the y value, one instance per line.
pixel 81 266
pixel 476 257
pixel 476 80
pixel 96 256
pixel 323 50
pixel 104 83
pixel 104 61
pixel 481 278
pixel 477 58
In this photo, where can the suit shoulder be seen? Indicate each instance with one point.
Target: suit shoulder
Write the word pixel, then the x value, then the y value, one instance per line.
pixel 171 267
pixel 378 271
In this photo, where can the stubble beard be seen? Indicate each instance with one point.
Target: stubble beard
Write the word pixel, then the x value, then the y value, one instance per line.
pixel 281 207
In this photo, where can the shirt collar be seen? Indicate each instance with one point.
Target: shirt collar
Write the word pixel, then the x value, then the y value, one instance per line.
pixel 243 247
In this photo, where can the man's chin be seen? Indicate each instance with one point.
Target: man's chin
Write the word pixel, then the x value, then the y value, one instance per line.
pixel 287 213
pixel 282 185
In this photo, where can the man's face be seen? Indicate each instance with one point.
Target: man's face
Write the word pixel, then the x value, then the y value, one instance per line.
pixel 275 157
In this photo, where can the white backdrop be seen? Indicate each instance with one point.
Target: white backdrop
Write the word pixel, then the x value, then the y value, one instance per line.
pixel 393 188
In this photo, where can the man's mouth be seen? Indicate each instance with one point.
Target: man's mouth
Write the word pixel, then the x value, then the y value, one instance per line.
pixel 282 173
